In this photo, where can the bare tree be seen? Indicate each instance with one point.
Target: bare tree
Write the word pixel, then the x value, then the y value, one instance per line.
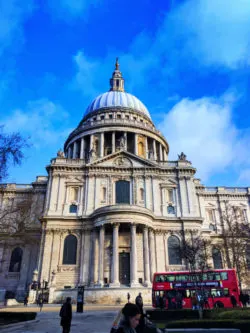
pixel 235 240
pixel 19 214
pixel 11 150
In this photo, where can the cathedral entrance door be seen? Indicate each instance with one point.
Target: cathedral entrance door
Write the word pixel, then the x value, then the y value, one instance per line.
pixel 124 268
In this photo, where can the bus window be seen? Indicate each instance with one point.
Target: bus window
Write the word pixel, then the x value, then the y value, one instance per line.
pixel 170 278
pixel 159 278
pixel 213 293
pixel 181 278
pixel 204 276
pixel 226 292
pixel 224 276
pixel 217 277
pixel 171 293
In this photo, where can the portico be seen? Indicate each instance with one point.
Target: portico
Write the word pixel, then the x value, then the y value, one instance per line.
pixel 123 256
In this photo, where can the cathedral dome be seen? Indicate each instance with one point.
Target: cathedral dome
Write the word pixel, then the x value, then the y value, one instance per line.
pixel 116 97
pixel 113 99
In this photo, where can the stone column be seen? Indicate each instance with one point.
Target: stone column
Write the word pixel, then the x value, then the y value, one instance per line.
pixel 91 141
pixel 152 253
pixel 165 154
pixel 102 145
pixel 133 258
pixel 81 277
pixel 101 256
pixel 24 271
pixel 161 154
pixel 69 152
pixel 74 150
pixel 154 150
pixel 136 144
pixel 115 258
pixel 146 147
pixel 94 258
pixel 82 152
pixel 126 141
pixel 113 142
pixel 146 257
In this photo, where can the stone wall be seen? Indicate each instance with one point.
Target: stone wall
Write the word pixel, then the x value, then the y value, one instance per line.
pixel 109 296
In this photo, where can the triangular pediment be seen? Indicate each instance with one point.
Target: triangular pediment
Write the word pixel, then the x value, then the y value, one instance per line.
pixel 122 159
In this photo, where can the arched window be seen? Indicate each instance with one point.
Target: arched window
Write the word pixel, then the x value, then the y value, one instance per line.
pixel 141 194
pixel 122 190
pixel 69 251
pixel 174 251
pixel 217 259
pixel 16 260
pixel 141 149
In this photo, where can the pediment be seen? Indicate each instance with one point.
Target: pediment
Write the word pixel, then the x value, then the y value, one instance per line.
pixel 169 183
pixel 123 159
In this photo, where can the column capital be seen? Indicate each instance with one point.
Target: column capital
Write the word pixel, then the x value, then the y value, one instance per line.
pixel 115 225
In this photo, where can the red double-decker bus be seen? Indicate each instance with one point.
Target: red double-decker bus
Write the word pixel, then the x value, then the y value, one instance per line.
pixel 176 289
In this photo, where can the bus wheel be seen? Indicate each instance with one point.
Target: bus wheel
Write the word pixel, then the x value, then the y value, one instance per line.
pixel 219 305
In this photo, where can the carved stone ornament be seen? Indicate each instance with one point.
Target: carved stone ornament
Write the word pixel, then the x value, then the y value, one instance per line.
pixel 60 154
pixel 122 162
pixel 182 157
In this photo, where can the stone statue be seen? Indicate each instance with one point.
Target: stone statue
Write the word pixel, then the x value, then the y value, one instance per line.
pixel 92 153
pixel 122 142
pixel 151 155
pixel 182 157
pixel 60 153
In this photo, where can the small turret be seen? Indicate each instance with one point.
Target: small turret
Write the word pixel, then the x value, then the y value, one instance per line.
pixel 117 81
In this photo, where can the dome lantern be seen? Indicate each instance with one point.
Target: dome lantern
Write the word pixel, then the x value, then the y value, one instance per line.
pixel 117 81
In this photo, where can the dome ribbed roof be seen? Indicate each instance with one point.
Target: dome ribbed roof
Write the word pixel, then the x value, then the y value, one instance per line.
pixel 117 99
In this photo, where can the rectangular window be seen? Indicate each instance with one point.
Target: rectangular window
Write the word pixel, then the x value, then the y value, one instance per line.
pixel 224 276
pixel 169 195
pixel 122 192
pixel 210 215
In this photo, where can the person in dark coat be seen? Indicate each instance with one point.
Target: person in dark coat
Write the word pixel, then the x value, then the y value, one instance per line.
pixel 66 315
pixel 41 303
pixel 139 303
pixel 233 301
pixel 131 319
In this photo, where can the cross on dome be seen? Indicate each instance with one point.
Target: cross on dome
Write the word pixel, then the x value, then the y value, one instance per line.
pixel 117 81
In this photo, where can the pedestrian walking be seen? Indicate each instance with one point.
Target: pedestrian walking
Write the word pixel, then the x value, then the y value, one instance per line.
pixel 25 301
pixel 178 300
pixel 206 304
pixel 241 298
pixel 194 301
pixel 41 303
pixel 131 319
pixel 139 303
pixel 233 301
pixel 247 298
pixel 66 315
pixel 244 300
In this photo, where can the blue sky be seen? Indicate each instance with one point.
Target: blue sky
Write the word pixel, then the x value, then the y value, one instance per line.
pixel 188 61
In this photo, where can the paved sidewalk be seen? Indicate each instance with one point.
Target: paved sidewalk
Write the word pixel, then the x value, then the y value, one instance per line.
pixel 49 322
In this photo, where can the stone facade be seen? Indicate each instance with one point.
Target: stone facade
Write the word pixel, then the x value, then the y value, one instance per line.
pixel 106 209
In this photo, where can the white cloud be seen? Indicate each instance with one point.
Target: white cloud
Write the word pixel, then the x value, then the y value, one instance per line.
pixel 203 129
pixel 68 9
pixel 213 32
pixel 42 120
